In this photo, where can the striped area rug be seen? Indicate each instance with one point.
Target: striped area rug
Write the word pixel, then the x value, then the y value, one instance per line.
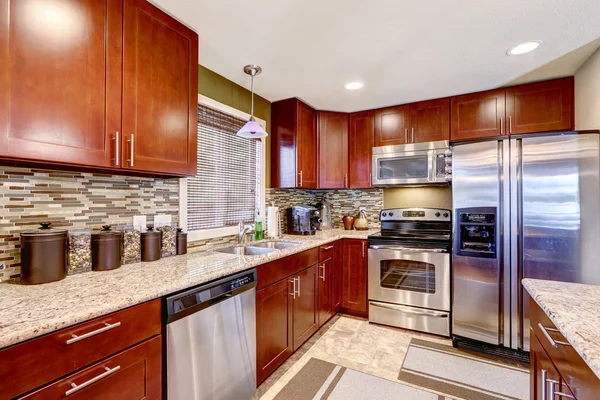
pixel 319 379
pixel 462 374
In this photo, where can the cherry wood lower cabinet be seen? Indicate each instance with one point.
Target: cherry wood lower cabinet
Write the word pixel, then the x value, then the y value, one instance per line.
pixel 130 375
pixel 274 327
pixel 36 362
pixel 338 272
pixel 557 366
pixel 306 305
pixel 326 284
pixel 354 281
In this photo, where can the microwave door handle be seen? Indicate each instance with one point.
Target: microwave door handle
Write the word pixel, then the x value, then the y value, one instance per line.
pixel 431 165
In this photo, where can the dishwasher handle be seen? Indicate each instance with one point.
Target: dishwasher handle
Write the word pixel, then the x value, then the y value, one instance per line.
pixel 201 297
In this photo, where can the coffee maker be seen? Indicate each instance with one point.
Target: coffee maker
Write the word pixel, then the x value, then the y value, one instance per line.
pixel 303 220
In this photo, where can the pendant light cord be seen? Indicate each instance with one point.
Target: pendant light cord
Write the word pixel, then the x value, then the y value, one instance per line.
pixel 252 95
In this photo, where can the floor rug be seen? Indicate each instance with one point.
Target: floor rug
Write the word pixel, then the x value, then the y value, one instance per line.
pixel 462 374
pixel 320 379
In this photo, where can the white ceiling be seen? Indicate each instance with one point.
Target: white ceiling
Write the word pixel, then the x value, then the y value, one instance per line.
pixel 403 50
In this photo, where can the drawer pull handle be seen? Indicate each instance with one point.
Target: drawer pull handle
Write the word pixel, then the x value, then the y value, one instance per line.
pixel 552 392
pixel 107 372
pixel 106 327
pixel 327 248
pixel 553 343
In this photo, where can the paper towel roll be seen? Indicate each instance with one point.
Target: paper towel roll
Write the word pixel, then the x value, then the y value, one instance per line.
pixel 272 223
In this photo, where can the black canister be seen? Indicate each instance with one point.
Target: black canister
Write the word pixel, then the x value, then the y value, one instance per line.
pixel 181 242
pixel 151 245
pixel 106 249
pixel 43 255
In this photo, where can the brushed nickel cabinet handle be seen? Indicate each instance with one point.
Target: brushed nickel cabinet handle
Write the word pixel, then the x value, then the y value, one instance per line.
pixel 412 139
pixel 510 124
pixel 346 180
pixel 117 155
pixel 294 289
pixel 553 393
pixel 298 287
pixel 300 183
pixel 553 343
pixel 405 135
pixel 544 383
pixel 370 179
pixel 322 277
pixel 131 150
pixel 76 388
pixel 106 327
pixel 328 248
pixel 501 127
pixel 363 249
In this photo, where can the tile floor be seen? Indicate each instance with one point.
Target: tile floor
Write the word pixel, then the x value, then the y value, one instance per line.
pixel 353 343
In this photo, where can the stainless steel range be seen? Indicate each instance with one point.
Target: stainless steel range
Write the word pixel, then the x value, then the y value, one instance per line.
pixel 409 270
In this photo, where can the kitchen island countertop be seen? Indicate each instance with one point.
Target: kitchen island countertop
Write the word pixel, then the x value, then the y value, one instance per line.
pixel 575 310
pixel 30 311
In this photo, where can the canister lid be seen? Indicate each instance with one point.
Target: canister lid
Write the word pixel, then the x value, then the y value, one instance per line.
pixel 45 230
pixel 106 233
pixel 151 232
pixel 180 232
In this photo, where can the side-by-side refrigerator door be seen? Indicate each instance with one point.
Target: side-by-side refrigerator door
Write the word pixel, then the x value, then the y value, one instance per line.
pixel 480 188
pixel 555 223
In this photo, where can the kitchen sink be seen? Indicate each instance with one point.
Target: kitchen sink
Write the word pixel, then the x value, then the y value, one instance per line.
pixel 277 244
pixel 246 250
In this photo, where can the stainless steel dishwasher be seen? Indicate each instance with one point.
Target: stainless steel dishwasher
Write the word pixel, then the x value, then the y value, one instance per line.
pixel 211 340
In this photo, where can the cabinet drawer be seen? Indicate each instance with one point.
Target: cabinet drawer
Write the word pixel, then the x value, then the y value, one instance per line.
pixel 575 372
pixel 31 364
pixel 284 267
pixel 129 375
pixel 325 252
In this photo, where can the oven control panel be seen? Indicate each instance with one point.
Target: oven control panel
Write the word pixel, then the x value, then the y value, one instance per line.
pixel 415 214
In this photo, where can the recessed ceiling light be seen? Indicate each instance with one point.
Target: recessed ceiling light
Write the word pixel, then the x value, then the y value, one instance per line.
pixel 524 48
pixel 353 85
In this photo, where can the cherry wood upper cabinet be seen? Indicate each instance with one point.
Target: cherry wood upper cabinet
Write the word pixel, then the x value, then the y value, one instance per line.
pixel 160 91
pixel 333 150
pixel 477 115
pixel 61 80
pixel 360 141
pixel 274 324
pixel 391 125
pixel 294 145
pixel 540 107
pixel 354 283
pixel 430 121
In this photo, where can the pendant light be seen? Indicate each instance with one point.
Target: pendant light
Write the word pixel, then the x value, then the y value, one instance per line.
pixel 252 129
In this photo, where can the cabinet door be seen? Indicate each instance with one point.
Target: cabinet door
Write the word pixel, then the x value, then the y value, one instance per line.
pixel 360 141
pixel 540 107
pixel 354 294
pixel 160 91
pixel 333 150
pixel 325 290
pixel 543 374
pixel 391 126
pixel 477 115
pixel 338 269
pixel 60 70
pixel 430 121
pixel 274 340
pixel 132 374
pixel 306 308
pixel 307 147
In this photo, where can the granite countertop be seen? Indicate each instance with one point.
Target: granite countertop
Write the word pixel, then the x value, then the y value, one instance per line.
pixel 30 311
pixel 575 310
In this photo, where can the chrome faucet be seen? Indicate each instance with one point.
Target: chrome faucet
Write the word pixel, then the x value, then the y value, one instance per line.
pixel 242 231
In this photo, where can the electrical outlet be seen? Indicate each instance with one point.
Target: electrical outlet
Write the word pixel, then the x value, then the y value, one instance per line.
pixel 139 223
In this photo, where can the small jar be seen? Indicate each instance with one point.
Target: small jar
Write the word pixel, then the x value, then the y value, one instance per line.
pixel 151 245
pixel 80 250
pixel 43 255
pixel 181 238
pixel 168 239
pixel 106 249
pixel 132 252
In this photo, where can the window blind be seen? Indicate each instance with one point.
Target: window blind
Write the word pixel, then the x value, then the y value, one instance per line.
pixel 226 188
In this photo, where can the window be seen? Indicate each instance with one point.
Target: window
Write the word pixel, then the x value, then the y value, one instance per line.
pixel 228 186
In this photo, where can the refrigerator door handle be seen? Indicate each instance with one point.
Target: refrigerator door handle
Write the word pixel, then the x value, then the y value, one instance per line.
pixel 505 241
pixel 516 256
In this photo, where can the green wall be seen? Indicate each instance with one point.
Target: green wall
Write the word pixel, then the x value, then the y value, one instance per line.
pixel 221 89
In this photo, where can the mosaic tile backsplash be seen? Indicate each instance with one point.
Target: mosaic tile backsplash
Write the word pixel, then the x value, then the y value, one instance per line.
pixel 343 202
pixel 73 200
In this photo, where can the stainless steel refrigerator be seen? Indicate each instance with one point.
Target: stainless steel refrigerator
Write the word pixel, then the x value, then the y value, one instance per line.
pixel 524 207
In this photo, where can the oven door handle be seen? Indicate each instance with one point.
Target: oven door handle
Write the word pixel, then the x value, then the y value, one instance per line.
pixel 401 248
pixel 422 313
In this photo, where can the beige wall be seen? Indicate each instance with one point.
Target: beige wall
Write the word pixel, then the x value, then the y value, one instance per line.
pixel 430 197
pixel 587 94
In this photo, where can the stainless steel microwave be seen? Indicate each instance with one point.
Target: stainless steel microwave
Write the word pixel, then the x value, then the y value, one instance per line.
pixel 412 164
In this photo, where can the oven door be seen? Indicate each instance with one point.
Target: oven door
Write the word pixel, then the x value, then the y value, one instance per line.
pixel 410 276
